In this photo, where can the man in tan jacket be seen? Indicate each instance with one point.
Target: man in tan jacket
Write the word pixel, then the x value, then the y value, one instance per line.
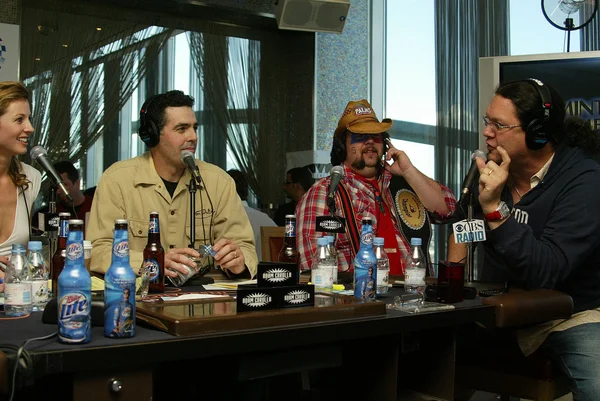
pixel 158 181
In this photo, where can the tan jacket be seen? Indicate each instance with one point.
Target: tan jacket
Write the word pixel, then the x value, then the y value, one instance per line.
pixel 131 189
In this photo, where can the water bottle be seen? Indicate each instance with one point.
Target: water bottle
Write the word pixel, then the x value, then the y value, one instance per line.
pixel 333 255
pixel 365 264
pixel 119 288
pixel 416 266
pixel 383 266
pixel 38 271
pixel 17 284
pixel 74 291
pixel 322 272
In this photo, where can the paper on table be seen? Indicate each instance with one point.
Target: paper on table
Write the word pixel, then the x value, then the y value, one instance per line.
pixel 227 285
pixel 185 297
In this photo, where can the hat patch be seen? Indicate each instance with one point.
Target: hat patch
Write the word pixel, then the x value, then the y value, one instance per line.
pixel 360 111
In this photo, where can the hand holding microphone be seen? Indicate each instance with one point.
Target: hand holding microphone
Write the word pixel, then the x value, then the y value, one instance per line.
pixel 39 153
pixel 187 158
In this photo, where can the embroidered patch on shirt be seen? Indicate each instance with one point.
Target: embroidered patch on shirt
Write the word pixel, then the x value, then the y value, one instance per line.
pixel 410 209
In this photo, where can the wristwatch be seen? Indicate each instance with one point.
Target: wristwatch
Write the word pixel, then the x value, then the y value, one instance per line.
pixel 502 212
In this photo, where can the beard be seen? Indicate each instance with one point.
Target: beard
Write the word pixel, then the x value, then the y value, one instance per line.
pixel 361 163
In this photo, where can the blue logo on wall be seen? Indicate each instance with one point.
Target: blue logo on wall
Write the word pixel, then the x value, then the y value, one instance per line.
pixel 2 50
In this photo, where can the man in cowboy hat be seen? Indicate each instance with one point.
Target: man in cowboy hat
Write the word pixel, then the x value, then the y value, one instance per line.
pixel 359 144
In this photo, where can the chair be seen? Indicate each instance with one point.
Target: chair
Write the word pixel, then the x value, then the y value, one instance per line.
pixel 271 240
pixel 502 368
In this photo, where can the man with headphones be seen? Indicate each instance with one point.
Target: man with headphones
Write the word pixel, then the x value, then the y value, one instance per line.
pixel 540 195
pixel 158 181
pixel 359 145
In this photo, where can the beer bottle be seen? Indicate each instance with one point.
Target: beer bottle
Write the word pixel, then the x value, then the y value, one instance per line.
pixel 58 259
pixel 119 288
pixel 74 292
pixel 154 256
pixel 288 252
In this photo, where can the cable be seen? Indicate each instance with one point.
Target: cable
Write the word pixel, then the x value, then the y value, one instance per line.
pixel 22 355
pixel 212 213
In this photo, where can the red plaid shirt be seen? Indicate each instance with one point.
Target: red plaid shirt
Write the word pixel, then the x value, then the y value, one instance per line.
pixel 314 204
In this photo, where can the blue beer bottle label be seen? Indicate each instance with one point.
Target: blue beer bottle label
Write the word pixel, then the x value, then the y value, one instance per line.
pixel 119 304
pixel 290 228
pixel 74 325
pixel 365 266
pixel 153 226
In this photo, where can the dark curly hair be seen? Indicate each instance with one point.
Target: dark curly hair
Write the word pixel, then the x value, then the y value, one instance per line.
pixel 572 131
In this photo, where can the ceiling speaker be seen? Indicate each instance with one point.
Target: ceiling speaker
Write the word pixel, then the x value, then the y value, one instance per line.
pixel 312 15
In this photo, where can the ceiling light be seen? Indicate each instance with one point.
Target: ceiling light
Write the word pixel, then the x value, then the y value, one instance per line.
pixel 37 59
pixel 65 45
pixel 98 28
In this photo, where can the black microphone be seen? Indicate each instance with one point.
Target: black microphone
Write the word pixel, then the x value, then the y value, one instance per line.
pixel 187 158
pixel 470 178
pixel 336 174
pixel 38 153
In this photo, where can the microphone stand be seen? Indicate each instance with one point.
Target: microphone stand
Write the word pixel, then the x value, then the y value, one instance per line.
pixel 52 233
pixel 469 268
pixel 192 191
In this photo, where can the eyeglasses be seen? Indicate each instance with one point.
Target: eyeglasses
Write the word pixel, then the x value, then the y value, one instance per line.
pixel 487 121
pixel 358 138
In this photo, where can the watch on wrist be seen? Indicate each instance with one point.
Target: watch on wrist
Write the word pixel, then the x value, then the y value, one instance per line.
pixel 502 212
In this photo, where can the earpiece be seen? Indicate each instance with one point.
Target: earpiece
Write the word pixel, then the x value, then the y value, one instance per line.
pixel 536 135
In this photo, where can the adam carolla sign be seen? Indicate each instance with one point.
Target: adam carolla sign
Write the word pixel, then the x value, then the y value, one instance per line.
pixel 9 52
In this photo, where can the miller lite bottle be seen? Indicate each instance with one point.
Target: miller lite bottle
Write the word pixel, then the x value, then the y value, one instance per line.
pixel 288 252
pixel 74 291
pixel 154 256
pixel 58 259
pixel 365 264
pixel 119 288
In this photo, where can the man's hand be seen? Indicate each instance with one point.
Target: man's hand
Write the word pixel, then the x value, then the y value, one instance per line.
pixel 176 257
pixel 401 164
pixel 492 179
pixel 229 256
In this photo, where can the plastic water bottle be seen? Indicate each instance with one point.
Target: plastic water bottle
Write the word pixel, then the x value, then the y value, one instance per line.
pixel 38 268
pixel 365 264
pixel 416 264
pixel 333 255
pixel 383 266
pixel 17 287
pixel 322 273
pixel 119 288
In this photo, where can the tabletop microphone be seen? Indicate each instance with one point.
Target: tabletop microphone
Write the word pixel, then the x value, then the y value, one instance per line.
pixel 39 153
pixel 336 174
pixel 187 158
pixel 470 178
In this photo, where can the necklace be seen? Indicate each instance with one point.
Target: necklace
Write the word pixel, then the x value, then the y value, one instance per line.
pixel 517 189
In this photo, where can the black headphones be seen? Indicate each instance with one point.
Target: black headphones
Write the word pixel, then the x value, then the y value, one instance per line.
pixel 148 132
pixel 536 135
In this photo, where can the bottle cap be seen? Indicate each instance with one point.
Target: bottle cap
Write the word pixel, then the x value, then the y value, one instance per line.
pixel 87 244
pixel 339 287
pixel 416 241
pixel 330 239
pixel 378 241
pixel 18 248
pixel 322 241
pixel 34 245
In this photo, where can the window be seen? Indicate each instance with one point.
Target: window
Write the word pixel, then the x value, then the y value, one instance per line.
pixel 531 33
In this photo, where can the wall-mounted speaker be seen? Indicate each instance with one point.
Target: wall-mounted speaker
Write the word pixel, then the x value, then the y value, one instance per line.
pixel 312 15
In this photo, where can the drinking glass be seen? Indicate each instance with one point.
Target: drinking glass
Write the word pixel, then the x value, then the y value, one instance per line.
pixel 202 266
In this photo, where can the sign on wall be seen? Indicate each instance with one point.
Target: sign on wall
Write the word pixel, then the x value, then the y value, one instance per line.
pixel 9 52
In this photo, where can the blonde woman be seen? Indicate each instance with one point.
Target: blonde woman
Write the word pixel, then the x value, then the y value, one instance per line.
pixel 19 182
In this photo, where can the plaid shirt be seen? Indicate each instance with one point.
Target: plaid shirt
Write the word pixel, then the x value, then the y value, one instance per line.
pixel 314 204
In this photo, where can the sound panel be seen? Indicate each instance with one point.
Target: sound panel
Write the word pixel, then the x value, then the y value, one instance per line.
pixel 312 15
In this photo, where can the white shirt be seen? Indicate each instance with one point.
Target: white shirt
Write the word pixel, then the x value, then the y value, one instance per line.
pixel 257 220
pixel 20 232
